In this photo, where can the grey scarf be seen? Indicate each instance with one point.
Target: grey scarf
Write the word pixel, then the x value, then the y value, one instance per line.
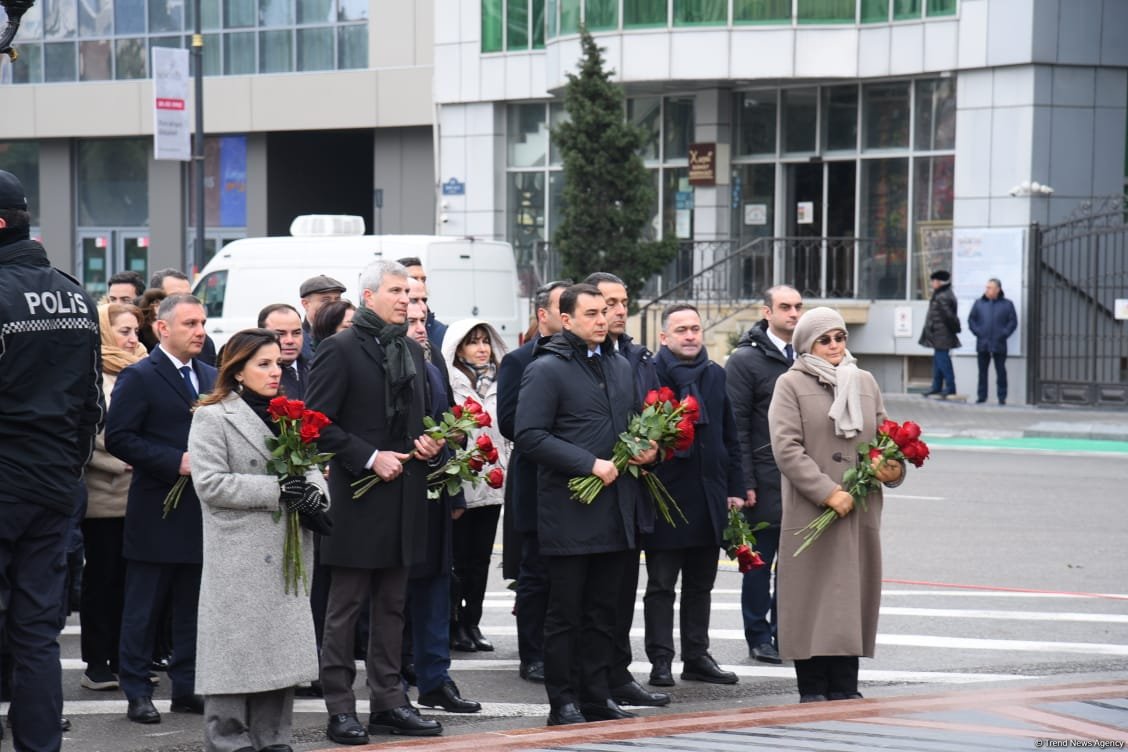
pixel 846 410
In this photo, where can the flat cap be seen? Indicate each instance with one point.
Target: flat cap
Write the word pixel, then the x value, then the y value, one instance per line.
pixel 12 194
pixel 320 283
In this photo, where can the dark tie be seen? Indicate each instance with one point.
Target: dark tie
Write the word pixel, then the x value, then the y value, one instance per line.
pixel 789 351
pixel 186 372
pixel 596 363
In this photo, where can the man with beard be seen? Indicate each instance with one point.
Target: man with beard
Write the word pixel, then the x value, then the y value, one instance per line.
pixel 284 320
pixel 576 398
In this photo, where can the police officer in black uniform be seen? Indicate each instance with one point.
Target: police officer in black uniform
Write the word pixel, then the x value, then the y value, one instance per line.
pixel 51 407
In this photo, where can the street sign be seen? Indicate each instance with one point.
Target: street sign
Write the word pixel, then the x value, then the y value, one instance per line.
pixel 454 187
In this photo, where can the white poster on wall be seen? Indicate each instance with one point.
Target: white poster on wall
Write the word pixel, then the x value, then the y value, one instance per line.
pixel 170 100
pixel 980 254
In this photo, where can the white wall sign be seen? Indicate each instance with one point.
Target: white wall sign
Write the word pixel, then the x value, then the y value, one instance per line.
pixel 980 254
pixel 170 104
pixel 805 212
pixel 755 214
pixel 903 321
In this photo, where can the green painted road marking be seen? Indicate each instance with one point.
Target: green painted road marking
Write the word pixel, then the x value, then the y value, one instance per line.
pixel 1038 444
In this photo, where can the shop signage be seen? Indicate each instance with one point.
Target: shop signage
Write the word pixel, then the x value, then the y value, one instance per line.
pixel 703 164
pixel 755 214
pixel 805 212
pixel 1120 310
pixel 170 112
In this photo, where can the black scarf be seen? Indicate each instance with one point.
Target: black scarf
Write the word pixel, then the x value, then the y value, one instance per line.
pixel 399 366
pixel 259 405
pixel 685 375
pixel 583 349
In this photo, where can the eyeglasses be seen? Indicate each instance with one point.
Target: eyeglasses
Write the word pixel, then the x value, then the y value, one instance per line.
pixel 826 339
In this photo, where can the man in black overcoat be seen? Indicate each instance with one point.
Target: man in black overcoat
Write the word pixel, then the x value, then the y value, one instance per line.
pixel 575 401
pixel 371 381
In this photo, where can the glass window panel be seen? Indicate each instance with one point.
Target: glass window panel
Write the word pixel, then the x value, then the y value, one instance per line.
pixel 526 214
pixel 527 135
pixel 644 13
pixel 352 10
pixel 840 116
pixel 113 182
pixel 59 62
pixel 550 12
pixel 166 15
pixel 95 18
pixel 646 113
pixel 60 19
pixel 826 11
pixel 886 115
pixel 677 126
pixel 555 201
pixel 556 116
pixel 875 11
pixel 517 24
pixel 601 15
pixel 31 25
pixel 171 42
pixel 315 49
pixel 756 123
pixel 761 11
pixel 209 15
pixel 754 205
pixel 129 16
pixel 569 16
pixel 491 25
pixel 239 53
pixel 21 158
pixel 933 189
pixel 93 276
pixel 906 9
pixel 212 59
pixel 884 214
pixel 941 7
pixel 800 119
pixel 315 11
pixel 352 47
pixel 29 68
pixel 276 51
pixel 936 114
pixel 675 180
pixel 95 60
pixel 238 14
pixel 276 12
pixel 538 24
pixel 653 230
pixel 700 12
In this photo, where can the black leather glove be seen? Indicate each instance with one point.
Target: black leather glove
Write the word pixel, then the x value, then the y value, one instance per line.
pixel 299 496
pixel 317 522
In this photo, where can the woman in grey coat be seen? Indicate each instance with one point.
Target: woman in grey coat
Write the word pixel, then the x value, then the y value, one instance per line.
pixel 829 596
pixel 254 640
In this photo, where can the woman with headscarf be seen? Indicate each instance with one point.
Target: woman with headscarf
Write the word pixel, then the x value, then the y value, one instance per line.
pixel 829 597
pixel 107 487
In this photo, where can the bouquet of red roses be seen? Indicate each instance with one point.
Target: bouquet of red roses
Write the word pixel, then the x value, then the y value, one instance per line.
pixel 456 423
pixel 740 539
pixel 895 441
pixel 666 422
pixel 292 452
pixel 467 465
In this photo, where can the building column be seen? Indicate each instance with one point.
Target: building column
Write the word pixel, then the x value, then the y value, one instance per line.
pixel 56 194
pixel 167 238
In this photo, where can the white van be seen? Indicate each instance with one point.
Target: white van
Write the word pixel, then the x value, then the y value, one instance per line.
pixel 465 277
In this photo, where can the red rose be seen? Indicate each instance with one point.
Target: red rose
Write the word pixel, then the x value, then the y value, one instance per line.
pixel 294 409
pixel 888 427
pixel 916 452
pixel 875 453
pixel 651 398
pixel 457 410
pixel 495 478
pixel 315 419
pixel 491 456
pixel 309 433
pixel 684 439
pixel 277 407
pixel 483 419
pixel 744 558
pixel 691 407
pixel 484 442
pixel 757 562
pixel 476 463
pixel 909 432
pixel 471 406
pixel 665 394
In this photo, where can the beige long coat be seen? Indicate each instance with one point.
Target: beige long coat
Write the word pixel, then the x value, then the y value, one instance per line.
pixel 830 594
pixel 251 635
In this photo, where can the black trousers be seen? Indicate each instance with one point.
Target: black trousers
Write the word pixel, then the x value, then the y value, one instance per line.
pixel 832 675
pixel 619 673
pixel 579 626
pixel 698 569
pixel 103 591
pixel 532 600
pixel 148 584
pixel 472 539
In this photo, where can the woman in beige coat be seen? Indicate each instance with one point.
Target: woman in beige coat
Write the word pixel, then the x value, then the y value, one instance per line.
pixel 829 596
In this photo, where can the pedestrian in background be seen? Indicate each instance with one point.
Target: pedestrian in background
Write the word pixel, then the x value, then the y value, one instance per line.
pixel 992 321
pixel 941 325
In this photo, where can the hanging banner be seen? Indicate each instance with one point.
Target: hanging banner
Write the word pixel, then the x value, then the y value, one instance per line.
pixel 170 104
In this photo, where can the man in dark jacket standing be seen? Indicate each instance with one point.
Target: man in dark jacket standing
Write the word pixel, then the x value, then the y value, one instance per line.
pixel 575 400
pixel 761 356
pixel 941 325
pixel 50 409
pixel 705 480
pixel 371 381
pixel 521 489
pixel 992 321
pixel 624 689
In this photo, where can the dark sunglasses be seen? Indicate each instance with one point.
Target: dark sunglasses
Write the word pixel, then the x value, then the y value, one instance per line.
pixel 826 339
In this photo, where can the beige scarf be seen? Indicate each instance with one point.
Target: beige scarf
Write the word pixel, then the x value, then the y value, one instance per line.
pixel 846 410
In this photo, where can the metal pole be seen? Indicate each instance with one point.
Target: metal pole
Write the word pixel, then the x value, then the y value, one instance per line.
pixel 198 151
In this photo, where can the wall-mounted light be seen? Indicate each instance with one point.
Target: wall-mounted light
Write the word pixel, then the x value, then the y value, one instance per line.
pixel 1028 188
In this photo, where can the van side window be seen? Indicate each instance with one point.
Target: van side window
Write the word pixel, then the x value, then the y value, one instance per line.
pixel 211 291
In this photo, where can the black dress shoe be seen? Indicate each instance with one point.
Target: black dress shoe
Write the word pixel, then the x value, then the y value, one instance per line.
pixel 844 696
pixel 705 669
pixel 404 720
pixel 461 641
pixel 607 710
pixel 532 671
pixel 448 698
pixel 344 728
pixel 632 693
pixel 566 715
pixel 765 652
pixel 277 748
pixel 480 642
pixel 64 723
pixel 141 710
pixel 660 674
pixel 313 690
pixel 188 704
pixel 803 699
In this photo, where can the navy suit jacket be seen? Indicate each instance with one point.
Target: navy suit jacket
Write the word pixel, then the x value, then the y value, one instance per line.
pixel 521 479
pixel 147 427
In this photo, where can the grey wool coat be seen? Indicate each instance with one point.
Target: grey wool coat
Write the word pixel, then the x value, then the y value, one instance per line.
pixel 251 635
pixel 830 594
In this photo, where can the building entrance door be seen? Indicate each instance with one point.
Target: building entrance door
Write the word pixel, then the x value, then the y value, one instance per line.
pixel 104 252
pixel 817 253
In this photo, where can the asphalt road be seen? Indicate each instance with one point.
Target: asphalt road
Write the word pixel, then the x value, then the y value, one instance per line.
pixel 1002 566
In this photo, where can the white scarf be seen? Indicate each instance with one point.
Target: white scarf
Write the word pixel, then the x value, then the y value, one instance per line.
pixel 846 410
